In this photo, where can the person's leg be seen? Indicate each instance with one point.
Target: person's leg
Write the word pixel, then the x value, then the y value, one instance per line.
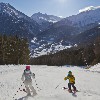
pixel 27 87
pixel 69 86
pixel 32 88
pixel 74 88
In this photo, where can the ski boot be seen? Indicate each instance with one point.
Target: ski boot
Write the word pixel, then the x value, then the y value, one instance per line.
pixel 70 91
pixel 28 94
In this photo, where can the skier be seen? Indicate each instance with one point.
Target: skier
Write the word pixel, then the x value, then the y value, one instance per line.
pixel 26 78
pixel 71 81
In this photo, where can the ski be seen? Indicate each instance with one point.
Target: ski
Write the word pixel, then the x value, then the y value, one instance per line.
pixel 65 88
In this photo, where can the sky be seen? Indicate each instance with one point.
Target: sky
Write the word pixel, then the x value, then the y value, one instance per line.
pixel 62 8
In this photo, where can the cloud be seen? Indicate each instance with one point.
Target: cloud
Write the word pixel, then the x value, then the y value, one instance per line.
pixel 88 8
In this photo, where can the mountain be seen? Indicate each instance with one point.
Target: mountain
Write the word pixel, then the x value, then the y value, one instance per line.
pixel 86 19
pixel 83 21
pixel 52 40
pixel 70 31
pixel 48 33
pixel 14 22
pixel 45 20
pixel 40 18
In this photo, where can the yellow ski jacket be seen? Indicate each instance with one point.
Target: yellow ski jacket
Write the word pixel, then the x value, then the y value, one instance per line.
pixel 71 78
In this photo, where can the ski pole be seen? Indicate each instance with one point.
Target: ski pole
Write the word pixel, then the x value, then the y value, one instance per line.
pixel 37 86
pixel 19 89
pixel 57 86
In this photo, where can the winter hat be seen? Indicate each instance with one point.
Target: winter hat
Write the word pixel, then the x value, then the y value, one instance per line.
pixel 69 72
pixel 28 67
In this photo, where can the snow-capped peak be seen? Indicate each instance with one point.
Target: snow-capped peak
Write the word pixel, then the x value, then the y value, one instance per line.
pixel 7 9
pixel 86 16
pixel 88 8
pixel 40 18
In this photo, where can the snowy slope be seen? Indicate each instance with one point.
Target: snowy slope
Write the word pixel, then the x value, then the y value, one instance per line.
pixel 95 68
pixel 14 22
pixel 7 9
pixel 87 16
pixel 50 80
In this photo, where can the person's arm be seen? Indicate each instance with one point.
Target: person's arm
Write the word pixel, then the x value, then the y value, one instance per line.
pixel 22 78
pixel 33 75
pixel 66 78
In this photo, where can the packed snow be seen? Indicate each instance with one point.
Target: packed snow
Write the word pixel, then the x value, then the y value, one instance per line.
pixel 95 68
pixel 49 82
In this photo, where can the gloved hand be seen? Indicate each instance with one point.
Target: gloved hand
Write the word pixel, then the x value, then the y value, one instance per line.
pixel 22 79
pixel 33 76
pixel 65 78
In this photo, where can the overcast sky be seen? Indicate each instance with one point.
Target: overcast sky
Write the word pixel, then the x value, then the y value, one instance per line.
pixel 62 8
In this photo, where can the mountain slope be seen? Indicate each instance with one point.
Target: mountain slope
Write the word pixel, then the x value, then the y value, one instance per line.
pixel 45 20
pixel 88 36
pixel 14 22
pixel 85 18
pixel 77 29
pixel 52 40
pixel 50 80
pixel 82 22
pixel 63 37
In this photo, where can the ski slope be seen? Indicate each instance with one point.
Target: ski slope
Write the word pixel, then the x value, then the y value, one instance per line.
pixel 49 82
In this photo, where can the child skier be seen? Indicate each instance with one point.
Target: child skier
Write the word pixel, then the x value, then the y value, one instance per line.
pixel 71 81
pixel 26 78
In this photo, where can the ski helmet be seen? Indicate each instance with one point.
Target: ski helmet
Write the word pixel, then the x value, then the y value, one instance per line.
pixel 69 72
pixel 28 67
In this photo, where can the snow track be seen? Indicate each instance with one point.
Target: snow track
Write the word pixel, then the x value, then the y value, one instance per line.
pixel 49 82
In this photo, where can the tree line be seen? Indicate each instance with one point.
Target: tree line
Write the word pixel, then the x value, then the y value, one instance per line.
pixel 14 50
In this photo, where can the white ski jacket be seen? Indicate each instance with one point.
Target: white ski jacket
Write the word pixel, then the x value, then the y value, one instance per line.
pixel 27 74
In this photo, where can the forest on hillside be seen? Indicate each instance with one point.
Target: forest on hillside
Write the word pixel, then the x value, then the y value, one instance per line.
pixel 14 50
pixel 82 55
